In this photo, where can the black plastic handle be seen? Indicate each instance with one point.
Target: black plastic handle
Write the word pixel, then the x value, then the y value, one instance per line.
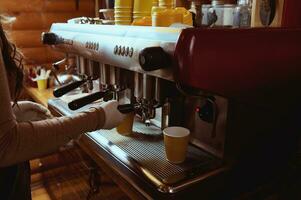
pixel 126 108
pixel 60 91
pixel 51 38
pixel 83 101
pixel 153 58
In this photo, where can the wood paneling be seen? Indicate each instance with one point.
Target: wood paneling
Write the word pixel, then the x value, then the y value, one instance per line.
pixel 68 6
pixel 35 16
pixel 40 20
pixel 45 6
pixel 21 6
pixel 40 55
pixel 27 38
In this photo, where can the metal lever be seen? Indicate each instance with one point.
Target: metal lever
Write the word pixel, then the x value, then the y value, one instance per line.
pixel 83 101
pixel 67 88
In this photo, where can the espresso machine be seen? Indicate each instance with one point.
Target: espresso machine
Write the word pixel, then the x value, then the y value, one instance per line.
pixel 230 91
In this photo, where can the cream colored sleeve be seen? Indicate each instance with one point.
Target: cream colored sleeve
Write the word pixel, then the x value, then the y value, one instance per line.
pixel 24 141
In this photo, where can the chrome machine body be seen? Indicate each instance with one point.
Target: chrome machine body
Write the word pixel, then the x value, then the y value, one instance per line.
pixel 147 86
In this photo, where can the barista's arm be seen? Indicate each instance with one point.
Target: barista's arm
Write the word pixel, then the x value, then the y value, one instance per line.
pixel 24 141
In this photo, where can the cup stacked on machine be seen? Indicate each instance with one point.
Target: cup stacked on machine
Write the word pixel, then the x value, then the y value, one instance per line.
pixel 166 3
pixel 142 8
pixel 123 12
pixel 155 2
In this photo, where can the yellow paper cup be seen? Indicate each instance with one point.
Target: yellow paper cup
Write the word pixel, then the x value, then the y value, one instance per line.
pixel 143 5
pixel 123 10
pixel 123 3
pixel 117 18
pixel 176 142
pixel 126 127
pixel 42 84
pixel 155 2
pixel 121 22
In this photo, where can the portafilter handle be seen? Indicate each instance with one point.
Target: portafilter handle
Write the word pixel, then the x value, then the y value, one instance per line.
pixel 83 101
pixel 60 91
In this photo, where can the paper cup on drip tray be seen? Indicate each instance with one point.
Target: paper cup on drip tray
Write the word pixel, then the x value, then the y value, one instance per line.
pixel 176 142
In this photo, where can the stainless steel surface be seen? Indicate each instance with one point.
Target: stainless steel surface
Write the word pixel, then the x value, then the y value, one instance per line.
pixel 69 74
pixel 82 65
pixel 93 69
pixel 148 87
pixel 145 155
pixel 106 39
pixel 138 85
pixel 110 77
pixel 201 132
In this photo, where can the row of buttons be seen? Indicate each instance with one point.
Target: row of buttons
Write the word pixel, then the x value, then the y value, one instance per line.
pixel 92 45
pixel 123 51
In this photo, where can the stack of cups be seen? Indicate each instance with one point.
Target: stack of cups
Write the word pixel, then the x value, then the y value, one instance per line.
pixel 155 2
pixel 142 8
pixel 166 3
pixel 123 12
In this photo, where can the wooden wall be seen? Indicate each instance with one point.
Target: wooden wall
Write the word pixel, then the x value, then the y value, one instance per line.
pixel 35 16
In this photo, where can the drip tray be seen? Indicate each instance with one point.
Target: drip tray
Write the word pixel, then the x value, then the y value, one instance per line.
pixel 144 154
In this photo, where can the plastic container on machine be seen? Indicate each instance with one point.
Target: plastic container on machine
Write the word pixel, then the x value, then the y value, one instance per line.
pixel 164 17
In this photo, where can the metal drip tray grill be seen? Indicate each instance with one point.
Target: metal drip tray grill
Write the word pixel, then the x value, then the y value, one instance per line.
pixel 145 155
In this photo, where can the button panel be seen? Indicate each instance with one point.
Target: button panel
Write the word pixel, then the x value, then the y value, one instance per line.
pixel 123 51
pixel 92 45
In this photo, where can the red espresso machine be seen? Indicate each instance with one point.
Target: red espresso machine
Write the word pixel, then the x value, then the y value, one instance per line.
pixel 237 90
pixel 258 71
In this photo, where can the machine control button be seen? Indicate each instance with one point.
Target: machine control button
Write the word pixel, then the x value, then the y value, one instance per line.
pixel 122 51
pixel 127 51
pixel 131 52
pixel 116 49
pixel 207 111
pixel 51 38
pixel 119 50
pixel 153 58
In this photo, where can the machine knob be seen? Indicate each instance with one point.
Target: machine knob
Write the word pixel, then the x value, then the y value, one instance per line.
pixel 51 39
pixel 153 58
pixel 206 111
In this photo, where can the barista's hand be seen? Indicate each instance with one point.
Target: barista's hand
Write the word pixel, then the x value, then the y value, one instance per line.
pixel 112 115
pixel 30 111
